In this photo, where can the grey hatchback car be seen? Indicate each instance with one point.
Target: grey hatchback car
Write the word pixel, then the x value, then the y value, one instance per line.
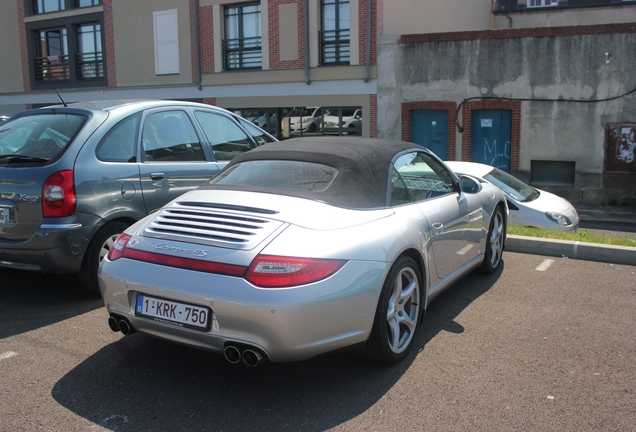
pixel 72 177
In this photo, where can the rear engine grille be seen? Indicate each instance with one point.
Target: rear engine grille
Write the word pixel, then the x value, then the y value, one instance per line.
pixel 206 225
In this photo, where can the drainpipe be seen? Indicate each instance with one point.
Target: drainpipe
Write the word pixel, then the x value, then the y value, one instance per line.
pixel 367 74
pixel 306 25
pixel 197 54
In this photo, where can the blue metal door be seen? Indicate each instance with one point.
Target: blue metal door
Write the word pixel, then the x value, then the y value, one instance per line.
pixel 491 138
pixel 429 128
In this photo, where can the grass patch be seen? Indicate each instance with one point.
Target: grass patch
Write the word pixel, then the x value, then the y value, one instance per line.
pixel 581 235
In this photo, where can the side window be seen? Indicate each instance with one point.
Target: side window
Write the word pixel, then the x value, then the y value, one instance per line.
pixel 399 192
pixel 169 136
pixel 225 137
pixel 119 144
pixel 424 177
pixel 259 136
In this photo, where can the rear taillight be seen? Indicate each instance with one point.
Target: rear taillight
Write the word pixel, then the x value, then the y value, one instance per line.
pixel 119 247
pixel 58 195
pixel 280 272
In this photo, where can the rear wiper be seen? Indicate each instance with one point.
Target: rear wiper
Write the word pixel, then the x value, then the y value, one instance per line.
pixel 25 158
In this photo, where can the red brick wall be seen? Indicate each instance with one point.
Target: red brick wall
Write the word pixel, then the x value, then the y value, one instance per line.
pixel 206 40
pixel 451 107
pixel 209 101
pixel 109 44
pixel 467 124
pixel 362 31
pixel 274 36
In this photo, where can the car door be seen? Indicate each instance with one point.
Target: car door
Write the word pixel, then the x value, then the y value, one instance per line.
pixel 454 219
pixel 174 158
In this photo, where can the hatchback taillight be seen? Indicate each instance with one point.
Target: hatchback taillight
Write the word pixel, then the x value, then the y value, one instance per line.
pixel 58 195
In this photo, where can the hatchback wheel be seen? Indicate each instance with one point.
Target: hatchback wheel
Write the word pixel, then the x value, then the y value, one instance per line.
pixel 494 242
pixel 397 314
pixel 97 249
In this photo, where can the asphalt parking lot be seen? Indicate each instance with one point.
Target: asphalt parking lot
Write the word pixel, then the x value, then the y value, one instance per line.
pixel 545 344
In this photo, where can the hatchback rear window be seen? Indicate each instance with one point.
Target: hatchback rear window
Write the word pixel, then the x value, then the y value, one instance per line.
pixel 41 137
pixel 278 174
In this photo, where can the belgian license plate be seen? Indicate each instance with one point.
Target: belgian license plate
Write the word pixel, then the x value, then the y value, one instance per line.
pixel 4 215
pixel 172 312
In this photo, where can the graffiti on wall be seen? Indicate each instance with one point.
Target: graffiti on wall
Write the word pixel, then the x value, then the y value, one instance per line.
pixel 497 157
pixel 620 149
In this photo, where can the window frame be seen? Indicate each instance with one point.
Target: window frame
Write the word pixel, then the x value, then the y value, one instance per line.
pixel 341 39
pixel 32 7
pixel 246 53
pixel 70 62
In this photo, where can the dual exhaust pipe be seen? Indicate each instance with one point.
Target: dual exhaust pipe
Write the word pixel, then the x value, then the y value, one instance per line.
pixel 252 357
pixel 120 324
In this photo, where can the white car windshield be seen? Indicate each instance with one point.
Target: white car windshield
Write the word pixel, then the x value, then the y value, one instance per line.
pixel 517 189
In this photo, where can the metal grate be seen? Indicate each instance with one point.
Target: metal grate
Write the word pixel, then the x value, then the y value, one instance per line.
pixel 203 225
pixel 552 172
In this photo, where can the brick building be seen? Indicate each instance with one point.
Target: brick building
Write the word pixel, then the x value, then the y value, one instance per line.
pixel 540 88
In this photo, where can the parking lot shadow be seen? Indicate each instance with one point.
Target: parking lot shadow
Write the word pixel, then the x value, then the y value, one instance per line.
pixel 30 300
pixel 141 383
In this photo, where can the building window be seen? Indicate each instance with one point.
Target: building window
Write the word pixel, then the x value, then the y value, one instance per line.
pixel 47 6
pixel 37 7
pixel 88 3
pixel 90 63
pixel 542 3
pixel 242 47
pixel 52 62
pixel 67 50
pixel 524 5
pixel 335 35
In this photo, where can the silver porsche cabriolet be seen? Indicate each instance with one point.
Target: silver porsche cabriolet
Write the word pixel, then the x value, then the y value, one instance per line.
pixel 305 247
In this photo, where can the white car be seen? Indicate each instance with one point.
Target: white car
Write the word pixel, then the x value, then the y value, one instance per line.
pixel 300 119
pixel 528 206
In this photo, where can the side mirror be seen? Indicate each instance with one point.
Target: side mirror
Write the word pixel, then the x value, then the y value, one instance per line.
pixel 469 185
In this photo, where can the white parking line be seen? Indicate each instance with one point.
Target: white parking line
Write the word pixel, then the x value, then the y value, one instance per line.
pixel 8 354
pixel 464 250
pixel 544 265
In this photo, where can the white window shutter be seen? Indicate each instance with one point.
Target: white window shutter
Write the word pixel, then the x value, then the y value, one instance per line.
pixel 166 42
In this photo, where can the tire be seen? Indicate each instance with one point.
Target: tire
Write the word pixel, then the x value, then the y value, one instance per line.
pixel 97 249
pixel 494 242
pixel 397 315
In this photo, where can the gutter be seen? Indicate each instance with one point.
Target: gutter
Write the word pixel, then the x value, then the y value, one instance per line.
pixel 197 54
pixel 367 74
pixel 306 32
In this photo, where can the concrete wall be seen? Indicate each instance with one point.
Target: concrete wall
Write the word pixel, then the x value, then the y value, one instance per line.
pixel 134 42
pixel 433 16
pixel 563 68
pixel 10 53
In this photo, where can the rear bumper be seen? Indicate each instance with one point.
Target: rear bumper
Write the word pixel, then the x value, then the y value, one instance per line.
pixel 55 247
pixel 285 324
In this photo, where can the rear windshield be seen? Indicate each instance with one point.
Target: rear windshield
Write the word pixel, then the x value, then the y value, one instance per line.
pixel 38 138
pixel 278 175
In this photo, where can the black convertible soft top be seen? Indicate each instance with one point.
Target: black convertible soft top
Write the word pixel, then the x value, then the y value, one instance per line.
pixel 363 166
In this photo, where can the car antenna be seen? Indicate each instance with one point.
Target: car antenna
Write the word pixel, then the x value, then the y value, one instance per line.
pixel 58 95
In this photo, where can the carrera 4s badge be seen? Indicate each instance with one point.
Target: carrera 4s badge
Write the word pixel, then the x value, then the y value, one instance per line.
pixel 193 252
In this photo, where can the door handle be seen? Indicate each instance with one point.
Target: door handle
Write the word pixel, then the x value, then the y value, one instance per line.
pixel 157 176
pixel 436 228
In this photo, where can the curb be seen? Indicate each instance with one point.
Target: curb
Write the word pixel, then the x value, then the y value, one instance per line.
pixel 572 249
